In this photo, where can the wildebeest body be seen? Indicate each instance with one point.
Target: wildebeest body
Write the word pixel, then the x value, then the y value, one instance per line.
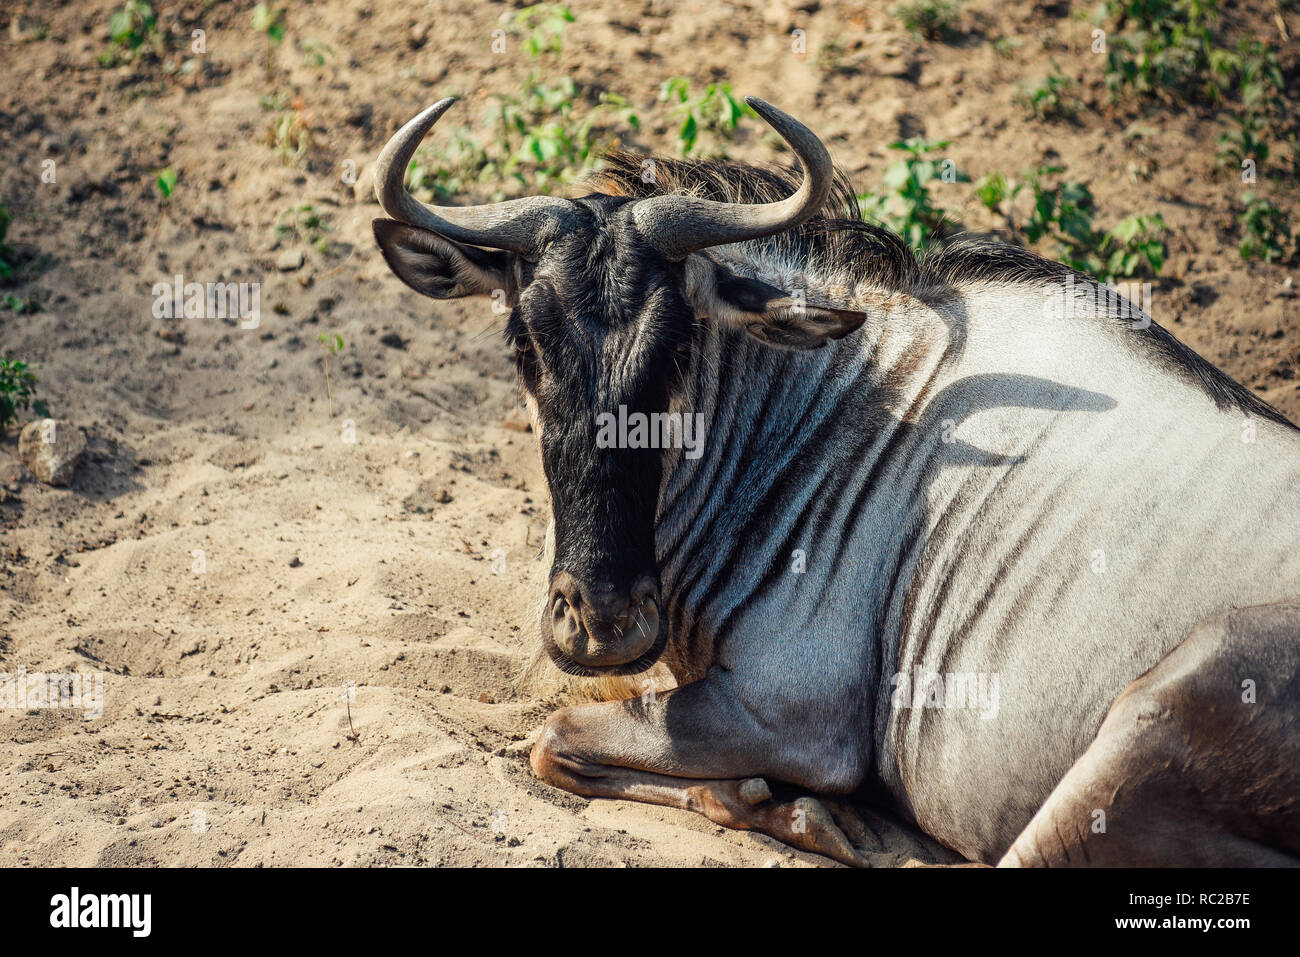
pixel 952 530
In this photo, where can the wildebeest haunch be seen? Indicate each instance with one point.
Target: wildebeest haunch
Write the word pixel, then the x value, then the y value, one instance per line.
pixel 956 538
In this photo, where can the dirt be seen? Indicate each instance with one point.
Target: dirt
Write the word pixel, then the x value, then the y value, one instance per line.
pixel 311 625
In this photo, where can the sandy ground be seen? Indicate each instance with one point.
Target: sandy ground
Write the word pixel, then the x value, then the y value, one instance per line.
pixel 230 560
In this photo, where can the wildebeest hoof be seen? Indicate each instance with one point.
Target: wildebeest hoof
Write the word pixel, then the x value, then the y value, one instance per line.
pixel 754 791
pixel 813 829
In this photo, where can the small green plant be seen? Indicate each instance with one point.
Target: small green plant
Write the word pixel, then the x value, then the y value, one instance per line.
pixel 714 110
pixel 1293 150
pixel 1005 47
pixel 931 19
pixel 303 224
pixel 1133 246
pixel 830 56
pixel 1051 98
pixel 132 31
pixel 453 166
pixel 548 134
pixel 19 305
pixel 904 203
pixel 1252 75
pixel 165 182
pixel 332 344
pixel 1164 50
pixel 315 52
pixel 268 19
pixel 289 134
pixel 545 23
pixel 1246 142
pixel 1168 50
pixel 7 265
pixel 17 391
pixel 1265 230
pixel 992 189
pixel 1063 211
pixel 274 102
pixel 133 25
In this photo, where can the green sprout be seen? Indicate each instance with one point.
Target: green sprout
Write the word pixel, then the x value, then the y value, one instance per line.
pixel 17 391
pixel 332 343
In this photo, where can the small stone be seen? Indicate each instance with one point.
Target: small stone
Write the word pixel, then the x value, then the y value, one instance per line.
pixel 52 449
pixel 295 562
pixel 517 421
pixel 289 260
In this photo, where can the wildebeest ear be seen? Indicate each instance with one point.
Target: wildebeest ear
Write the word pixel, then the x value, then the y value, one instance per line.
pixel 770 314
pixel 440 268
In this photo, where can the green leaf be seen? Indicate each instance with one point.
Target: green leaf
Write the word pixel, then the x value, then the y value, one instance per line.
pixel 1155 255
pixel 119 26
pixel 1126 229
pixel 689 132
pixel 896 175
pixel 991 189
pixel 166 181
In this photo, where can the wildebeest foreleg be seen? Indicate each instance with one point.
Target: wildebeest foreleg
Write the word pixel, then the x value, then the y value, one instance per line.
pixel 690 748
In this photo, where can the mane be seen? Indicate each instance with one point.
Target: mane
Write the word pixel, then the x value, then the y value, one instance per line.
pixel 838 244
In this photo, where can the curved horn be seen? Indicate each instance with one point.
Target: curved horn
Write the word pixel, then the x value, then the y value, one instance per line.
pixel 680 225
pixel 514 224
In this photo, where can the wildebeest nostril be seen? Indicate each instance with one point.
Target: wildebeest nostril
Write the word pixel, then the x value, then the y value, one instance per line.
pixel 566 626
pixel 565 586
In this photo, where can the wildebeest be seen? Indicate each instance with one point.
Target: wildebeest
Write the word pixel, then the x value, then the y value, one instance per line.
pixel 960 538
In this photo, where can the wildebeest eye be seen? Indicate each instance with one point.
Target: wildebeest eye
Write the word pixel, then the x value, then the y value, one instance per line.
pixel 525 358
pixel 523 346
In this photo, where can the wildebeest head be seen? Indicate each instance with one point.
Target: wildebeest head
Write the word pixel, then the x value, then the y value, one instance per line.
pixel 607 295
